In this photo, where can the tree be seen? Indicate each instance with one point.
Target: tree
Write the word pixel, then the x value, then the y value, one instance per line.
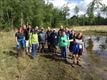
pixel 76 10
pixel 104 9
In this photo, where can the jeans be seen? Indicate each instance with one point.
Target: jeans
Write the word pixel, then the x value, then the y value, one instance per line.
pixel 34 50
pixel 64 52
pixel 21 42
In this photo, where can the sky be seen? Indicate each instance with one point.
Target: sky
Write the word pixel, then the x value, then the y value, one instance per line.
pixel 82 4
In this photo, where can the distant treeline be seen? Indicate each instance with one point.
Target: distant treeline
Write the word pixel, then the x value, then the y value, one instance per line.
pixel 38 13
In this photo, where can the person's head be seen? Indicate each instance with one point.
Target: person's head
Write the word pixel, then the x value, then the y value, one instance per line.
pixel 61 27
pixel 29 26
pixel 36 28
pixel 80 35
pixel 24 27
pixel 62 33
pixel 49 28
pixel 66 29
pixel 54 30
pixel 18 29
pixel 33 30
pixel 73 32
pixel 42 29
pixel 21 29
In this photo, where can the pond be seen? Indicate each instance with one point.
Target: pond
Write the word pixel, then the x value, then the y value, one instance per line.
pixel 98 44
pixel 96 49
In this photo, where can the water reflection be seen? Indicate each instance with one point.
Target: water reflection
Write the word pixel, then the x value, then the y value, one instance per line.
pixel 106 40
pixel 96 44
pixel 96 47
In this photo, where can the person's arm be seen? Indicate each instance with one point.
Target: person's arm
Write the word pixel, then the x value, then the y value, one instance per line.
pixel 79 41
pixel 16 38
pixel 71 40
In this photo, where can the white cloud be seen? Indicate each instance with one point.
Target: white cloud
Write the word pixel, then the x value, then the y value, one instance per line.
pixel 58 3
pixel 104 2
pixel 82 4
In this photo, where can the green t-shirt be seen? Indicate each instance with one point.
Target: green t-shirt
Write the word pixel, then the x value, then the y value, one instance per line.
pixel 62 42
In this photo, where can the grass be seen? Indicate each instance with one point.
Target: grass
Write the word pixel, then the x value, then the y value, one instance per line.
pixel 42 68
pixel 90 28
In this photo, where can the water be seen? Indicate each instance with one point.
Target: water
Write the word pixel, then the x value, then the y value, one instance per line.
pixel 97 44
pixel 96 49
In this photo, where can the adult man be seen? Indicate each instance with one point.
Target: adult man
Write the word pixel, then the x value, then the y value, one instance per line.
pixel 42 40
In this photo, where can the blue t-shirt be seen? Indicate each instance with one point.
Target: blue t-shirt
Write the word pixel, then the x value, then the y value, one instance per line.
pixel 19 35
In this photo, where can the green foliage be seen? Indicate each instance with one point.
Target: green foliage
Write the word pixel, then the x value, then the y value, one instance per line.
pixel 14 13
pixel 18 12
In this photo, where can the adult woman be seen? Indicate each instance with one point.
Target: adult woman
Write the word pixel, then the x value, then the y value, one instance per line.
pixel 63 45
pixel 34 42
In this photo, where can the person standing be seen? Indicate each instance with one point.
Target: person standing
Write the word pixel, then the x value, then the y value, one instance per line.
pixel 34 43
pixel 72 36
pixel 20 39
pixel 54 41
pixel 64 45
pixel 26 34
pixel 79 41
pixel 48 33
pixel 42 40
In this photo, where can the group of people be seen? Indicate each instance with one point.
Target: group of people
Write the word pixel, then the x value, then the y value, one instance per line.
pixel 34 40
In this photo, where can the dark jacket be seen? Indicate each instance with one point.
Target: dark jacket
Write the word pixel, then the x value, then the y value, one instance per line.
pixel 54 38
pixel 48 33
pixel 26 33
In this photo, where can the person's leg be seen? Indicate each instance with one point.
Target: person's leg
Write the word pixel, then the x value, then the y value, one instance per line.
pixel 49 47
pixel 23 47
pixel 18 45
pixel 36 49
pixel 18 48
pixel 55 48
pixel 43 46
pixel 33 50
pixel 66 53
pixel 27 46
pixel 23 43
pixel 39 47
pixel 62 52
pixel 79 54
pixel 73 53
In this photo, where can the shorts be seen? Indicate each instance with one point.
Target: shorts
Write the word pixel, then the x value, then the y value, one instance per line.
pixel 75 49
pixel 80 51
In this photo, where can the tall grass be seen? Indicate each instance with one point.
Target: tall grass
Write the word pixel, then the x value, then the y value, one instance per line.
pixel 90 28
